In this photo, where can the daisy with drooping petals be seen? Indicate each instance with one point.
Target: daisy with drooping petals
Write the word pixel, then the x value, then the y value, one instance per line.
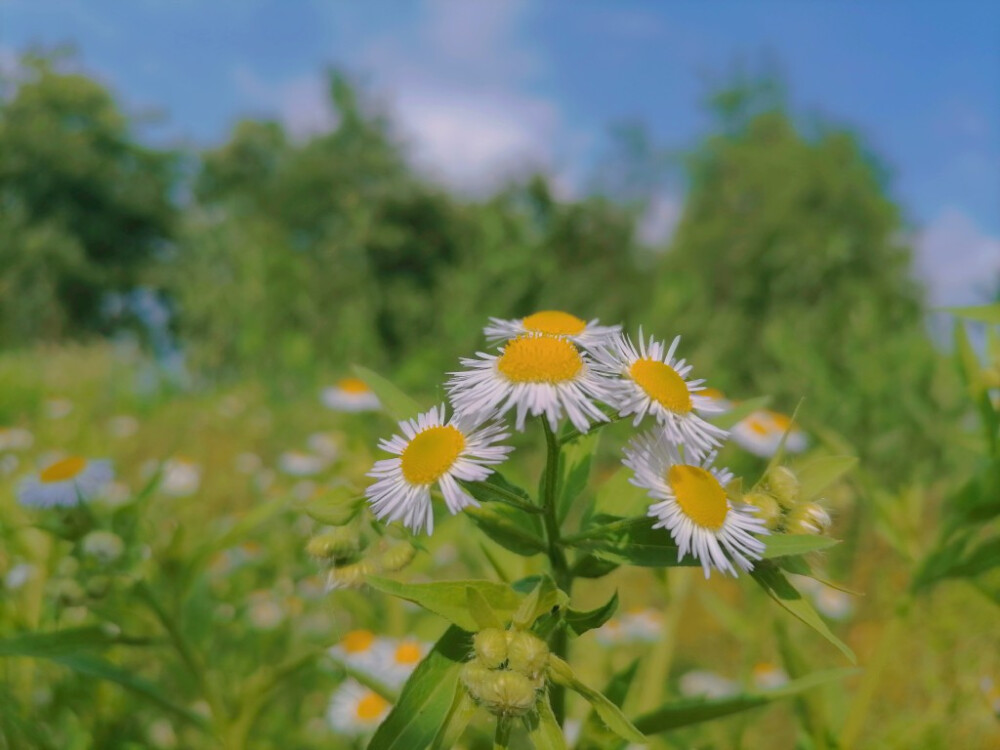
pixel 534 374
pixel 352 395
pixel 551 323
pixel 761 431
pixel 67 482
pixel 356 710
pixel 651 381
pixel 692 505
pixel 432 451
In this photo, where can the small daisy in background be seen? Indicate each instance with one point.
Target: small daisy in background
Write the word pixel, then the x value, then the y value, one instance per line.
pixel 761 431
pixel 552 323
pixel 325 444
pixel 15 439
pixel 356 710
pixel 399 659
pixel 123 426
pixel 701 683
pixel 299 464
pixel 432 451
pixel 351 395
pixel 720 402
pixel 643 625
pixel 180 477
pixel 105 547
pixel 532 374
pixel 361 650
pixel 58 408
pixel 693 506
pixel 65 483
pixel 611 633
pixel 768 676
pixel 649 380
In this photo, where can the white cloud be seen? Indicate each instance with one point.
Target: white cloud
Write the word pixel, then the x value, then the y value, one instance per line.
pixel 302 103
pixel 959 261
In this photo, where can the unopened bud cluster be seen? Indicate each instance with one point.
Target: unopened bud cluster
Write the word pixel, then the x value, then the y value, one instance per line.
pixel 350 558
pixel 507 670
pixel 780 504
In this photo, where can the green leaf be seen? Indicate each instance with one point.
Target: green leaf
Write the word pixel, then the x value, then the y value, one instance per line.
pixel 496 488
pixel 610 714
pixel 463 708
pixel 481 610
pixel 595 735
pixel 980 313
pixel 542 599
pixel 619 497
pixel 396 403
pixel 590 566
pixel 740 411
pixel 968 361
pixel 783 545
pixel 56 643
pixel 634 541
pixel 543 729
pixel 509 528
pixel 582 621
pixel 428 697
pixel 818 474
pixel 778 587
pixel 690 711
pixel 450 598
pixel 574 472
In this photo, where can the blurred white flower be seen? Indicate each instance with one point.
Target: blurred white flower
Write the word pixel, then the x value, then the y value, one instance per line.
pixel 324 444
pixel 701 682
pixel 66 482
pixel 761 431
pixel 768 676
pixel 644 626
pixel 299 464
pixel 19 575
pixel 835 604
pixel 350 395
pixel 123 426
pixel 58 408
pixel 103 546
pixel 356 710
pixel 9 464
pixel 248 463
pixel 180 477
pixel 264 612
pixel 15 439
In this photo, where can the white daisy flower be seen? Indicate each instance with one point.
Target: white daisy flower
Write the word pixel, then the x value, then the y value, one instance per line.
pixel 644 625
pixel 65 483
pixel 536 374
pixel 15 439
pixel 702 683
pixel 432 451
pixel 360 649
pixel 768 676
pixel 761 431
pixel 351 395
pixel 552 323
pixel 399 659
pixel 180 477
pixel 299 464
pixel 650 381
pixel 693 506
pixel 833 603
pixel 355 710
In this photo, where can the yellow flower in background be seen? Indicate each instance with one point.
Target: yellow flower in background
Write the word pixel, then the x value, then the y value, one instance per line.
pixel 66 482
pixel 552 323
pixel 432 452
pixel 692 505
pixel 761 431
pixel 532 374
pixel 650 380
pixel 360 649
pixel 356 710
pixel 351 395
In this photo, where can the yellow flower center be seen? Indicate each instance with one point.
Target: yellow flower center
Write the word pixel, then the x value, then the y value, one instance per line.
pixel 407 653
pixel 357 641
pixel 781 421
pixel 62 470
pixel 554 323
pixel 540 359
pixel 353 385
pixel 714 393
pixel 700 495
pixel 431 453
pixel 371 706
pixel 758 426
pixel 661 383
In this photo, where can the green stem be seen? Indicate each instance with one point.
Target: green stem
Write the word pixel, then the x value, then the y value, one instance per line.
pixel 559 644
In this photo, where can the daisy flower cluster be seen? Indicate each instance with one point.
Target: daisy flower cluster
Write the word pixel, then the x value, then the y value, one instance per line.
pixel 553 365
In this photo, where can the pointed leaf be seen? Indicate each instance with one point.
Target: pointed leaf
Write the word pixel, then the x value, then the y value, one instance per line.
pixel 463 708
pixel 574 471
pixel 784 545
pixel 509 528
pixel 543 598
pixel 818 474
pixel 773 581
pixel 428 697
pixel 496 488
pixel 619 497
pixel 543 729
pixel 450 599
pixel 610 714
pixel 595 735
pixel 582 621
pixel 481 610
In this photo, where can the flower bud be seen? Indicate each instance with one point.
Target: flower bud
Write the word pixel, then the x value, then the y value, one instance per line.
pixel 526 653
pixel 103 546
pixel 784 485
pixel 397 557
pixel 768 509
pixel 335 544
pixel 808 518
pixel 476 677
pixel 491 647
pixel 508 693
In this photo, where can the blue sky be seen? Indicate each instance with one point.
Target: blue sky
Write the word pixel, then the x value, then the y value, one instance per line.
pixel 483 89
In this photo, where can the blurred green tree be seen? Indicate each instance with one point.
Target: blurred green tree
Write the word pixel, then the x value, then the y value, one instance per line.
pixel 83 205
pixel 790 271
